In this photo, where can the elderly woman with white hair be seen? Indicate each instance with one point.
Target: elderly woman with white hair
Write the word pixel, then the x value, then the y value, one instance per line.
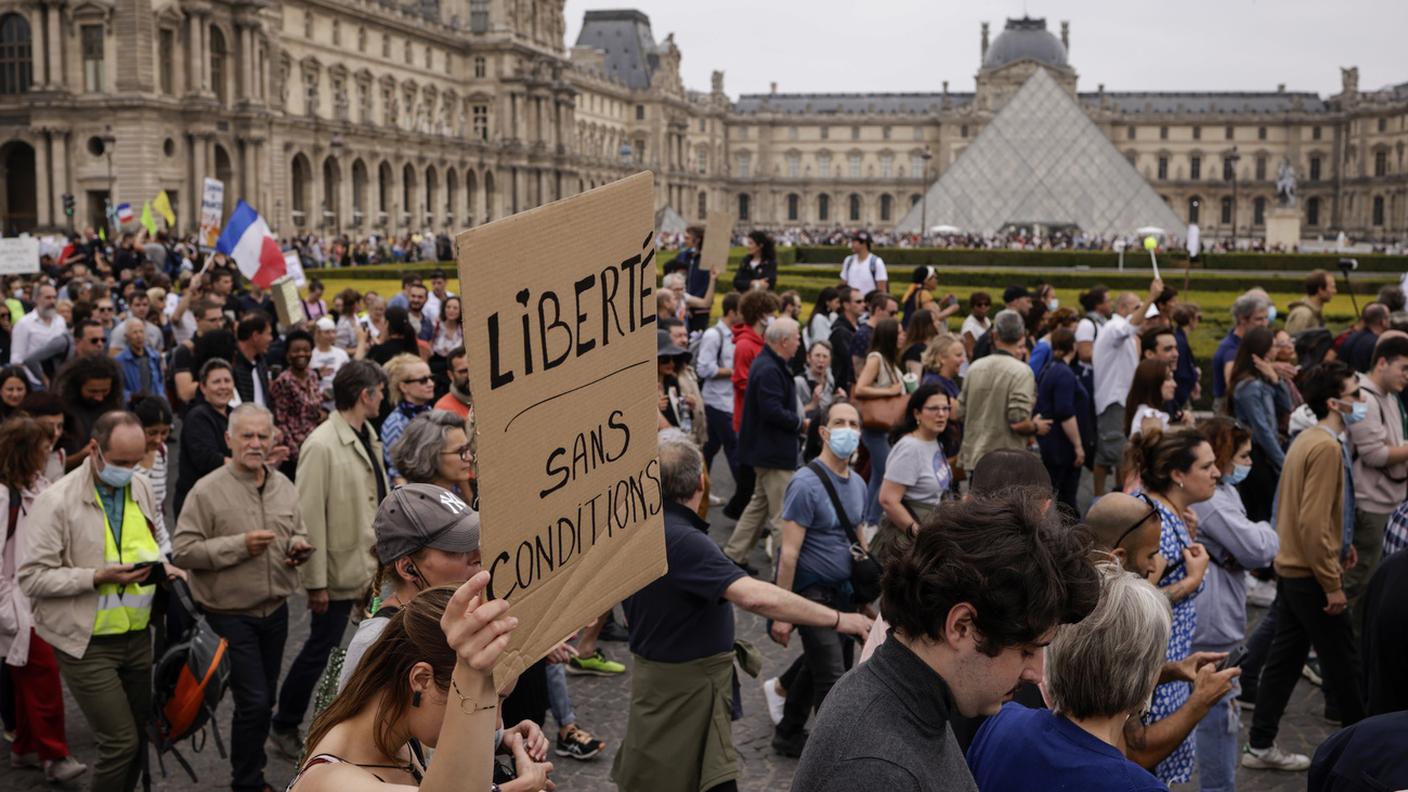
pixel 1100 673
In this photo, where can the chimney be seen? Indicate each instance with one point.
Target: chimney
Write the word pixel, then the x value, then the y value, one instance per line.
pixel 1280 87
pixel 774 88
pixel 985 42
pixel 945 104
pixel 1066 36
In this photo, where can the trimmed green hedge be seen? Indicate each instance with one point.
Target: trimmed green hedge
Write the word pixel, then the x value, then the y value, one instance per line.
pixel 1061 259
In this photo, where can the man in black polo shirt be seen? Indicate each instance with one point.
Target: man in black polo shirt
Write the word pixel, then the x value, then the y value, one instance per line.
pixel 683 693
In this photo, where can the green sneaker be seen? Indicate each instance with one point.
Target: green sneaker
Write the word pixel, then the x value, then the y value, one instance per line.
pixel 594 664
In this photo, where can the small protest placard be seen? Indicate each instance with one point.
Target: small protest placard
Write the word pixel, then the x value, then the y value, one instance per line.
pixel 717 235
pixel 19 255
pixel 559 304
pixel 212 209
pixel 287 304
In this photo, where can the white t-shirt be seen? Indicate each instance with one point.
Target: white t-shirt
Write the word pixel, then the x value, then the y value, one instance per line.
pixel 975 327
pixel 1142 412
pixel 856 273
pixel 1115 356
pixel 1086 330
pixel 326 364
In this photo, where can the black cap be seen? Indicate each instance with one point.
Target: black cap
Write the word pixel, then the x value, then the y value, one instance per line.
pixel 862 237
pixel 1015 293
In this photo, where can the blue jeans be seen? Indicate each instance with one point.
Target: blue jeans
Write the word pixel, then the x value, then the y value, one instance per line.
pixel 877 444
pixel 721 436
pixel 255 649
pixel 1219 736
pixel 559 700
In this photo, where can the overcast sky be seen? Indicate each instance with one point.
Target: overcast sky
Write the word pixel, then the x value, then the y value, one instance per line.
pixel 914 45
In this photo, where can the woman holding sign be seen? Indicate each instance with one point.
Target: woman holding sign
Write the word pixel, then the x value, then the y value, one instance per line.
pixel 428 680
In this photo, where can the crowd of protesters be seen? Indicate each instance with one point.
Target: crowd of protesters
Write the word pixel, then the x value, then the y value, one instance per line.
pixel 897 485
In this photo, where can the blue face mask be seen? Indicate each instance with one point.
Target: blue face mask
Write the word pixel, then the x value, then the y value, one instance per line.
pixel 1357 414
pixel 1271 314
pixel 1053 304
pixel 115 477
pixel 843 442
pixel 1238 475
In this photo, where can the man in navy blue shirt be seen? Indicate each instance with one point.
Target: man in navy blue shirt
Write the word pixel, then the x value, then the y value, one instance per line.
pixel 683 692
pixel 1250 310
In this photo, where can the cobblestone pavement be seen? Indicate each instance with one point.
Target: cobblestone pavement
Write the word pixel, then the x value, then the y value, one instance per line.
pixel 601 704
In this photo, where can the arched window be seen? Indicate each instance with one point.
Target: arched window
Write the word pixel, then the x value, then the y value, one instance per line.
pixel 384 188
pixel 1378 210
pixel 793 206
pixel 408 192
pixel 1194 204
pixel 1312 212
pixel 431 186
pixel 703 205
pixel 1227 211
pixel 1259 211
pixel 218 54
pixel 885 207
pixel 452 191
pixel 332 191
pixel 15 55
pixel 855 207
pixel 823 207
pixel 302 187
pixel 359 191
pixel 914 199
pixel 744 205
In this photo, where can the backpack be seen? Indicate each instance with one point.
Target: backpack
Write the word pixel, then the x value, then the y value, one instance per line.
pixel 188 681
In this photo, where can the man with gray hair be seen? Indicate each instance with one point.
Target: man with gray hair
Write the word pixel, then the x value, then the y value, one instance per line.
pixel 140 363
pixel 1115 356
pixel 1248 311
pixel 682 635
pixel 241 537
pixel 1100 675
pixel 998 395
pixel 767 436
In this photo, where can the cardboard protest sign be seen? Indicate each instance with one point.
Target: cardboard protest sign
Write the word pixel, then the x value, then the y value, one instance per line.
pixel 212 206
pixel 559 305
pixel 19 255
pixel 287 304
pixel 717 235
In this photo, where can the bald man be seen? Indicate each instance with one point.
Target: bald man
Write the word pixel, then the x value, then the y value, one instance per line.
pixel 1127 528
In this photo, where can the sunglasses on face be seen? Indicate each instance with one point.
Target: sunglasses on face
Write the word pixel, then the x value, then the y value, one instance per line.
pixel 417 380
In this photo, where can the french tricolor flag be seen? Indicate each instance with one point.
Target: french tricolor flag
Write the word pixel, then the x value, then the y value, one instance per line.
pixel 247 240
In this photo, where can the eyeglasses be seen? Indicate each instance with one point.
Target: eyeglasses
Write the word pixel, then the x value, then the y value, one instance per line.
pixel 937 409
pixel 417 380
pixel 463 452
pixel 1131 529
pixel 105 308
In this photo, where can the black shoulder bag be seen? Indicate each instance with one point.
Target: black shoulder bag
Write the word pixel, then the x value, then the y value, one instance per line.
pixel 865 570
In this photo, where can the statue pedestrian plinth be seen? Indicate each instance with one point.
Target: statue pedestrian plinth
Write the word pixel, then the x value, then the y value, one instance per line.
pixel 1283 227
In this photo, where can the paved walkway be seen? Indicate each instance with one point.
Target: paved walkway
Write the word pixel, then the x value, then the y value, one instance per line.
pixel 601 705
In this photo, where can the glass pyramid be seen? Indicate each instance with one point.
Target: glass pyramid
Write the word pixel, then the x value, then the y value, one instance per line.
pixel 1042 161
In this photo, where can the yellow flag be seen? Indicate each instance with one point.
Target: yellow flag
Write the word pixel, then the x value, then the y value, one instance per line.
pixel 163 205
pixel 148 221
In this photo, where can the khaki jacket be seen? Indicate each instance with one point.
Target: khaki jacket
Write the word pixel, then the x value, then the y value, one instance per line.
pixel 209 541
pixel 62 548
pixel 1310 509
pixel 337 499
pixel 1378 486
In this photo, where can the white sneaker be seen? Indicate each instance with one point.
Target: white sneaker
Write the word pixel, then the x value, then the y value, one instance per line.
pixel 715 500
pixel 1273 758
pixel 29 761
pixel 775 700
pixel 65 769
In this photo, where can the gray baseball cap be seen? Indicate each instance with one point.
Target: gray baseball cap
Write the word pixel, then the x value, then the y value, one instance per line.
pixel 417 516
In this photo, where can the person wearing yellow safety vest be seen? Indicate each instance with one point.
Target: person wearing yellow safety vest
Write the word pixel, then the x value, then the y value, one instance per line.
pixel 88 571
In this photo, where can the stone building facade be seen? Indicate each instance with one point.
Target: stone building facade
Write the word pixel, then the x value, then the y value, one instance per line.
pixel 361 116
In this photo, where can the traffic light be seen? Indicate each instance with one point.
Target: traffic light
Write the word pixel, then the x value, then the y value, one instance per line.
pixel 68 204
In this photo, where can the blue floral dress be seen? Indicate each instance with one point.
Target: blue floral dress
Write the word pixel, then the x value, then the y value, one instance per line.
pixel 1168 697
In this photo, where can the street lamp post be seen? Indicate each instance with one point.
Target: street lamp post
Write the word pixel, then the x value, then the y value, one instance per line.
pixel 1232 160
pixel 109 140
pixel 924 197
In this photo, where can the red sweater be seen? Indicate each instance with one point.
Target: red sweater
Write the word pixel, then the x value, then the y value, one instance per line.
pixel 747 345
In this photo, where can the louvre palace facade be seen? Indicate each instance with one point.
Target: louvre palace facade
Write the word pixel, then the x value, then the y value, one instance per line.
pixel 387 116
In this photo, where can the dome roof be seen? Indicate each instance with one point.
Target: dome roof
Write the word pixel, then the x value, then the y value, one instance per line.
pixel 1025 38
